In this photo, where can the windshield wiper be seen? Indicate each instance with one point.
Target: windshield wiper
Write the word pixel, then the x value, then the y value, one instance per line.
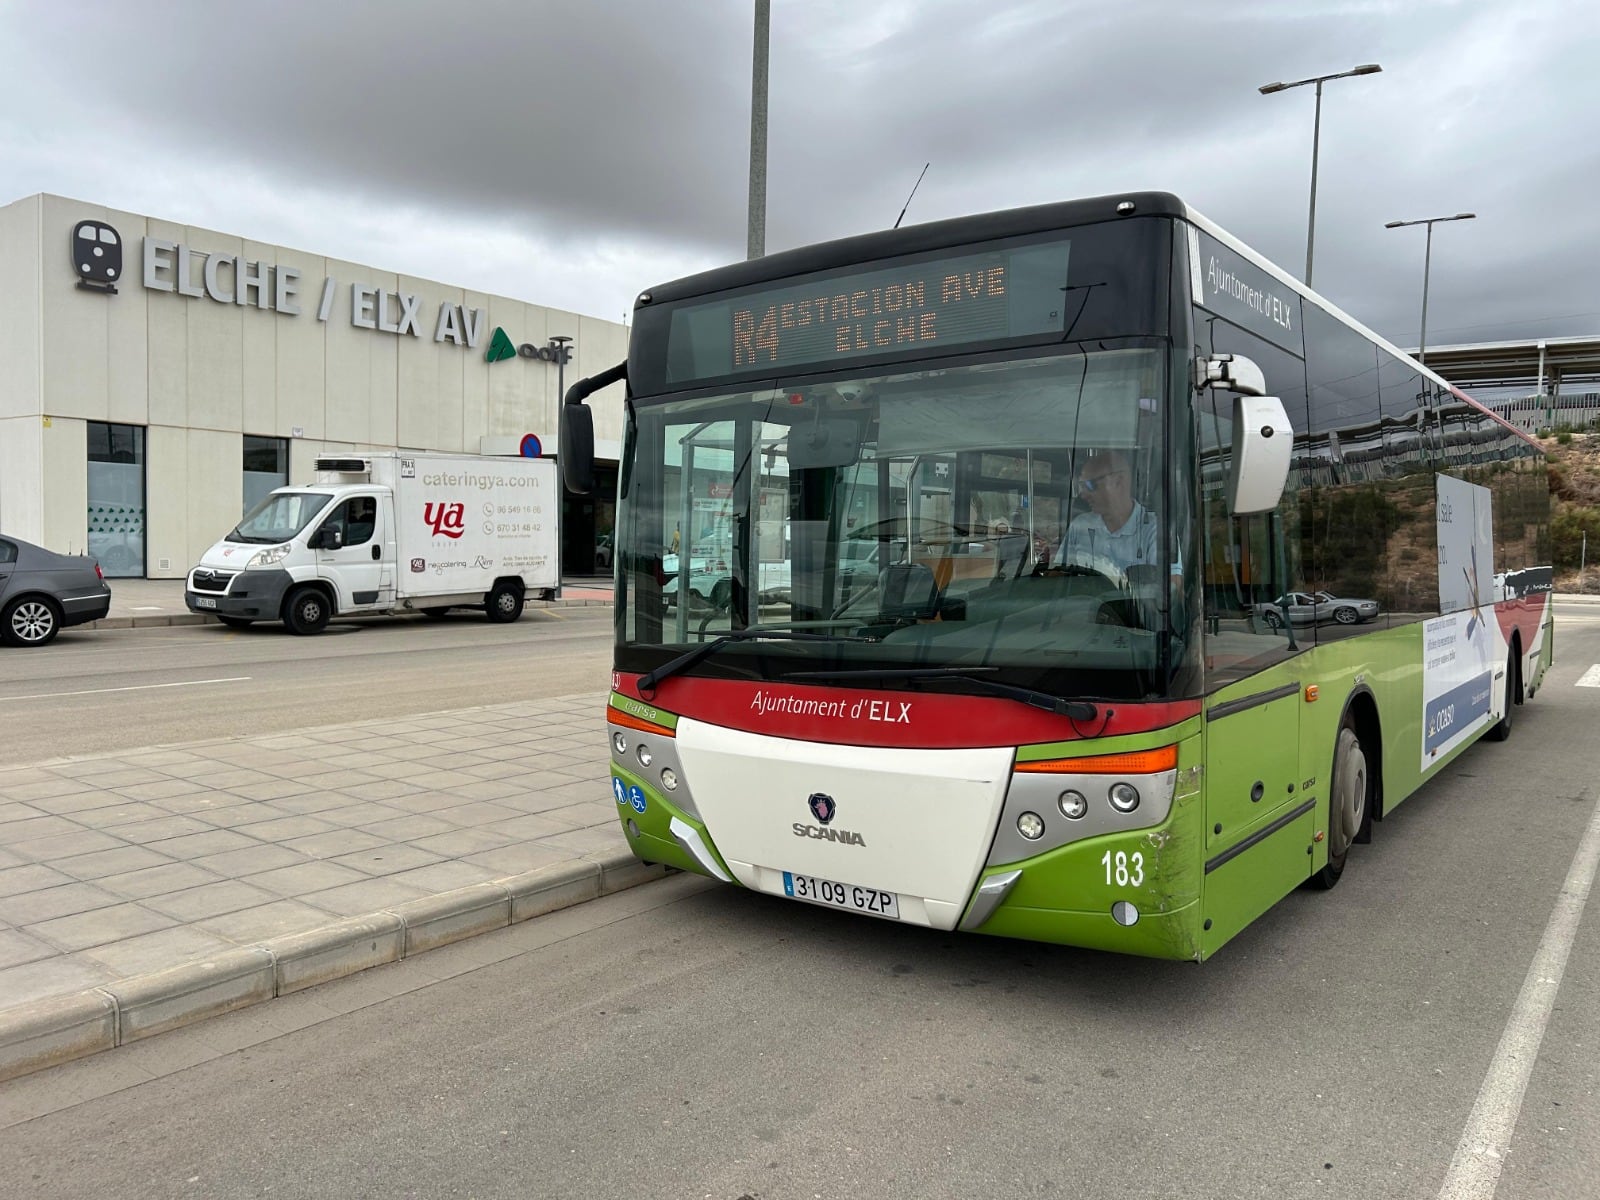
pixel 777 633
pixel 1078 710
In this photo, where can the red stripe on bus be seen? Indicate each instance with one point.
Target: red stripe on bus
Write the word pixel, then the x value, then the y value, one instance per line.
pixel 893 719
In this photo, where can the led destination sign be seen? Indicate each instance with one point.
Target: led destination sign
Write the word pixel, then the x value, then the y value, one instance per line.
pixel 925 306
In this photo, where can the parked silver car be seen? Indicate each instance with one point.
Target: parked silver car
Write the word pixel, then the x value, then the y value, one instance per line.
pixel 1313 608
pixel 42 592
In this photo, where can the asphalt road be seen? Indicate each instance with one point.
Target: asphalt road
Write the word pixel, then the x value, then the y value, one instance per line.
pixel 117 689
pixel 687 1039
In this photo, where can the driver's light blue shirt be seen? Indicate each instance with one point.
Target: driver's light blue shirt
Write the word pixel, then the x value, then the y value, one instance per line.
pixel 1137 542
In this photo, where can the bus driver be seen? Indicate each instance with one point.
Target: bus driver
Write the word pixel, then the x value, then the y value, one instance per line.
pixel 1117 532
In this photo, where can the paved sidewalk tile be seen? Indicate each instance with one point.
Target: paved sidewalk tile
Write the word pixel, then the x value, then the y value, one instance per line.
pixel 121 864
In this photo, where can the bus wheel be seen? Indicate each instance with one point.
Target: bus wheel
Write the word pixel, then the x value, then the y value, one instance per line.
pixel 1349 793
pixel 1501 729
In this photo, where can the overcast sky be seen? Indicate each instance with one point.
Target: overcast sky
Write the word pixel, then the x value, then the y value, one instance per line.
pixel 573 154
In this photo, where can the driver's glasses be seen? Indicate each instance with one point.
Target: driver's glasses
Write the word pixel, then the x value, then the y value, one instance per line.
pixel 1091 483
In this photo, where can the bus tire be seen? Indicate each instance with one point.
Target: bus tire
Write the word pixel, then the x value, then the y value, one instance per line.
pixel 1501 729
pixel 306 611
pixel 1349 799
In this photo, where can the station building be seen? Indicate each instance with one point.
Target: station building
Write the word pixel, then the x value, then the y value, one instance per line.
pixel 157 379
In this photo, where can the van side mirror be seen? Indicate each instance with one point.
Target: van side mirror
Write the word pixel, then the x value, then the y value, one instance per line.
pixel 1263 443
pixel 577 448
pixel 326 538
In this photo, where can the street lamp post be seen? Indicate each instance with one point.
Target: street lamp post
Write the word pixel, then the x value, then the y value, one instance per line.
pixel 1267 89
pixel 1427 259
pixel 560 341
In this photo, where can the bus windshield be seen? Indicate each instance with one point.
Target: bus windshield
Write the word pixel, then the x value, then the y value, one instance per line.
pixel 1008 518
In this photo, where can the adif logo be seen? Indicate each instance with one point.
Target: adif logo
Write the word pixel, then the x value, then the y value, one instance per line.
pixel 501 347
pixel 97 255
pixel 446 520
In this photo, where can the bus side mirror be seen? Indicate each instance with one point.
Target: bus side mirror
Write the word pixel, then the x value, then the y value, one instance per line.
pixel 1263 441
pixel 577 448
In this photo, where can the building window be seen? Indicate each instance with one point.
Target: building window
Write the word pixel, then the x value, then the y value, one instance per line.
pixel 116 498
pixel 266 466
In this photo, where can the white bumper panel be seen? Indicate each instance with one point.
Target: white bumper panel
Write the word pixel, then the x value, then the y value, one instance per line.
pixel 924 818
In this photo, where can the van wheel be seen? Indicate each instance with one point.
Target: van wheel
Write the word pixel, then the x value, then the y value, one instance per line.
pixel 503 604
pixel 1501 729
pixel 306 612
pixel 30 621
pixel 1349 794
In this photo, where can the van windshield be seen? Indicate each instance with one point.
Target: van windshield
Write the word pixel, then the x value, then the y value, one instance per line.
pixel 279 517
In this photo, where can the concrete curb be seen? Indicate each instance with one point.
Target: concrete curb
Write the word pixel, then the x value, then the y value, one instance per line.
pixel 55 1030
pixel 159 620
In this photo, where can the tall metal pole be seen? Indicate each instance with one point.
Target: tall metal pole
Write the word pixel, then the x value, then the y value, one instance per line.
pixel 1316 138
pixel 1422 337
pixel 1311 221
pixel 1427 262
pixel 756 241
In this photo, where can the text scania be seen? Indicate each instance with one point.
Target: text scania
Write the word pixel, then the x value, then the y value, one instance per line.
pixel 817 832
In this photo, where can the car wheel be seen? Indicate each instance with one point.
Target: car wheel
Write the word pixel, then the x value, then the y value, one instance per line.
pixel 306 612
pixel 1346 616
pixel 30 621
pixel 1349 795
pixel 504 603
pixel 1273 619
pixel 236 622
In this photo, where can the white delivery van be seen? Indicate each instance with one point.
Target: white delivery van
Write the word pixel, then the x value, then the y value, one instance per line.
pixel 389 533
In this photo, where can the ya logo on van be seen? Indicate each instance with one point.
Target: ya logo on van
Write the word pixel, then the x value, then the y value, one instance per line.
pixel 446 520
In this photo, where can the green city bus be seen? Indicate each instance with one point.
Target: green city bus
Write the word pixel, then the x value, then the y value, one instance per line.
pixel 1068 573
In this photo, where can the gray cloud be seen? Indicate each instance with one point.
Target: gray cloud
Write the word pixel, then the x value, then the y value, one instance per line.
pixel 573 154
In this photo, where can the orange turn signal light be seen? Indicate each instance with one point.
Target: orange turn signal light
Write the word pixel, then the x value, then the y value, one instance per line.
pixel 628 721
pixel 1134 762
pixel 1312 692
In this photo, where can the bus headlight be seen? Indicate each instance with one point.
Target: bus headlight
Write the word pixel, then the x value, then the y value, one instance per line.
pixel 1031 826
pixel 645 757
pixel 1124 797
pixel 620 742
pixel 1073 805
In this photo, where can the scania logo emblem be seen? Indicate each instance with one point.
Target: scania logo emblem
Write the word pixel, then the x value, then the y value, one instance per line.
pixel 822 806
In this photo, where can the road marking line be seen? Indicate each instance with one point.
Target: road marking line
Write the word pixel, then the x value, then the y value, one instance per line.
pixel 143 687
pixel 1481 1153
pixel 1591 677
